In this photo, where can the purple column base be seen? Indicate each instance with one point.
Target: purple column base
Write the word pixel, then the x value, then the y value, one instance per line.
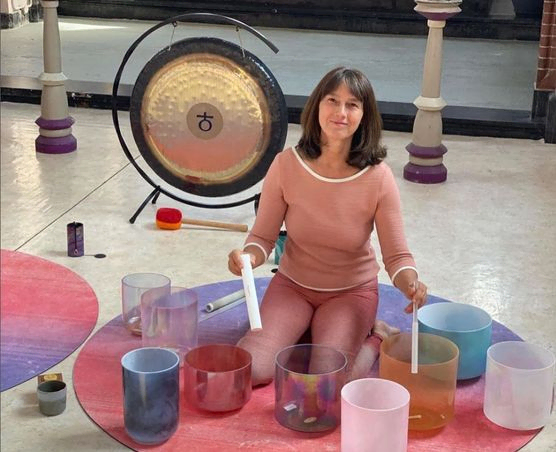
pixel 425 152
pixel 55 124
pixel 425 174
pixel 56 145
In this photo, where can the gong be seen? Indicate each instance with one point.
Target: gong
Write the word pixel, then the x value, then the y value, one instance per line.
pixel 208 116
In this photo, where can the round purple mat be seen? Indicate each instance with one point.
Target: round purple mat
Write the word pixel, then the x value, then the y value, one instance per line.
pixel 98 386
pixel 47 311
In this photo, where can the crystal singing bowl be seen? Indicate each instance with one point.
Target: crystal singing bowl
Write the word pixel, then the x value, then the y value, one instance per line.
pixel 308 382
pixel 170 321
pixel 467 326
pixel 519 385
pixel 133 287
pixel 375 416
pixel 217 377
pixel 151 394
pixel 433 387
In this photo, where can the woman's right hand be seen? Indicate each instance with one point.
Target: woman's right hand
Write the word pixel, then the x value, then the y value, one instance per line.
pixel 234 261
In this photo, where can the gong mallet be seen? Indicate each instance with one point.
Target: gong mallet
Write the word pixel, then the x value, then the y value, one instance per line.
pixel 169 218
pixel 250 293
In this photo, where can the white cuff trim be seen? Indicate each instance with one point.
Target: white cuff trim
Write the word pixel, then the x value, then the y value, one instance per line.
pixel 258 246
pixel 393 279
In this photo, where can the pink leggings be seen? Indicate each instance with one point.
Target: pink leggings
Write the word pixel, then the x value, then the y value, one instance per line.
pixel 341 319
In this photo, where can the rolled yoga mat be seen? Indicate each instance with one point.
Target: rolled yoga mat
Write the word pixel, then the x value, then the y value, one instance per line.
pixel 47 311
pixel 98 385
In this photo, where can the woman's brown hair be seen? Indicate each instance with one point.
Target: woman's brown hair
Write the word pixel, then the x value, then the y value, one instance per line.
pixel 366 148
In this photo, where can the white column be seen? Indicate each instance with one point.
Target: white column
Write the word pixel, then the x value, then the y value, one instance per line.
pixel 426 149
pixel 55 135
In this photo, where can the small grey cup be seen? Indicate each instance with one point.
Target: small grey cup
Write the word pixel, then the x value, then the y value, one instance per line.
pixel 52 397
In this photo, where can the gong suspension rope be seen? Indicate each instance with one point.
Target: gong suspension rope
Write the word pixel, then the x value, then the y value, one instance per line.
pixel 240 42
pixel 174 25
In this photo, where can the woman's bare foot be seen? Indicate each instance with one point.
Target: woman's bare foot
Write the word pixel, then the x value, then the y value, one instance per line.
pixel 370 349
pixel 383 330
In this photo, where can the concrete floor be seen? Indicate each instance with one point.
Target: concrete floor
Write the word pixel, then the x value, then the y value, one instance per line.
pixel 485 237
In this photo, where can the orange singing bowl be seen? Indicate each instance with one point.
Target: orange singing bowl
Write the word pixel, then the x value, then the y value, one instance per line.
pixel 433 387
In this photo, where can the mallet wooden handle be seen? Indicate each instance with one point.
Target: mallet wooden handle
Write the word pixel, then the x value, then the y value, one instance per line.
pixel 216 224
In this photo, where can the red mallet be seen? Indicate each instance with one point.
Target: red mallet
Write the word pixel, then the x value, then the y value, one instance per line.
pixel 168 218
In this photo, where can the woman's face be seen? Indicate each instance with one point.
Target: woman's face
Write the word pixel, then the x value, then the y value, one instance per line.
pixel 340 114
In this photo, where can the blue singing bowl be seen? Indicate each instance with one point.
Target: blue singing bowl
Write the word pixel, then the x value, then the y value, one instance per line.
pixel 469 327
pixel 151 385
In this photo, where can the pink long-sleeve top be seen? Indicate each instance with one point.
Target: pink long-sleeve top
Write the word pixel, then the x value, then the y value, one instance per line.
pixel 329 223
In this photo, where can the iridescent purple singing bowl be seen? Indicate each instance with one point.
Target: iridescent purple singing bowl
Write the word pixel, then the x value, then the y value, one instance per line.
pixel 217 377
pixel 308 382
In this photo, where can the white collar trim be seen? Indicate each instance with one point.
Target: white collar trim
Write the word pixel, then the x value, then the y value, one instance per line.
pixel 327 179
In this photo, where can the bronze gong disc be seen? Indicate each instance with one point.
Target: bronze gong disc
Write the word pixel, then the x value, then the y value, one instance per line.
pixel 208 116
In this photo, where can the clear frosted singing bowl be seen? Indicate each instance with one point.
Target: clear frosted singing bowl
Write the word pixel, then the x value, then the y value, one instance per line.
pixel 217 377
pixel 133 287
pixel 433 388
pixel 170 321
pixel 519 385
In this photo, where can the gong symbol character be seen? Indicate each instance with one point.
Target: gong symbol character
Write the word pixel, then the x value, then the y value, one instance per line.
pixel 206 127
pixel 204 121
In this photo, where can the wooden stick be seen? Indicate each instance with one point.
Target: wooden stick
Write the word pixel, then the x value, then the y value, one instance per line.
pixel 216 224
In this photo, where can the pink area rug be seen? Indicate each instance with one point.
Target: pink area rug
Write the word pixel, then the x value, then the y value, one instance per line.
pixel 47 311
pixel 98 385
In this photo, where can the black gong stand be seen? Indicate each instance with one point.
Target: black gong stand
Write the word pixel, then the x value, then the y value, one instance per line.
pixel 208 17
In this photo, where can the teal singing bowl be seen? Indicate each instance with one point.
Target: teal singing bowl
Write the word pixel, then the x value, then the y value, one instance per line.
pixel 469 327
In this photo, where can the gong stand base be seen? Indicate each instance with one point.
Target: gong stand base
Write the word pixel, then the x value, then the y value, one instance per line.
pixel 153 195
pixel 157 191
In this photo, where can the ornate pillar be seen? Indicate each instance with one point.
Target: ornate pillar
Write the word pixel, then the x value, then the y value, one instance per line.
pixel 426 149
pixel 54 123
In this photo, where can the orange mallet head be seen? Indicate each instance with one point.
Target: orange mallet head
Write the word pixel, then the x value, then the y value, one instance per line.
pixel 168 218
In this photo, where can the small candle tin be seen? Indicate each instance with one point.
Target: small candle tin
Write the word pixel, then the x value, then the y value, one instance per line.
pixel 75 239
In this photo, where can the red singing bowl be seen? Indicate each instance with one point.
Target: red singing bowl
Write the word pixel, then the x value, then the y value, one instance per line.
pixel 217 377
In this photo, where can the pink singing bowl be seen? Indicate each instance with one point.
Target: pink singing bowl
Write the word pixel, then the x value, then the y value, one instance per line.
pixel 217 377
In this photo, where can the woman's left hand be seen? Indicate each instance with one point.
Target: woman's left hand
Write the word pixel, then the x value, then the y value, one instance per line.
pixel 417 293
pixel 407 282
